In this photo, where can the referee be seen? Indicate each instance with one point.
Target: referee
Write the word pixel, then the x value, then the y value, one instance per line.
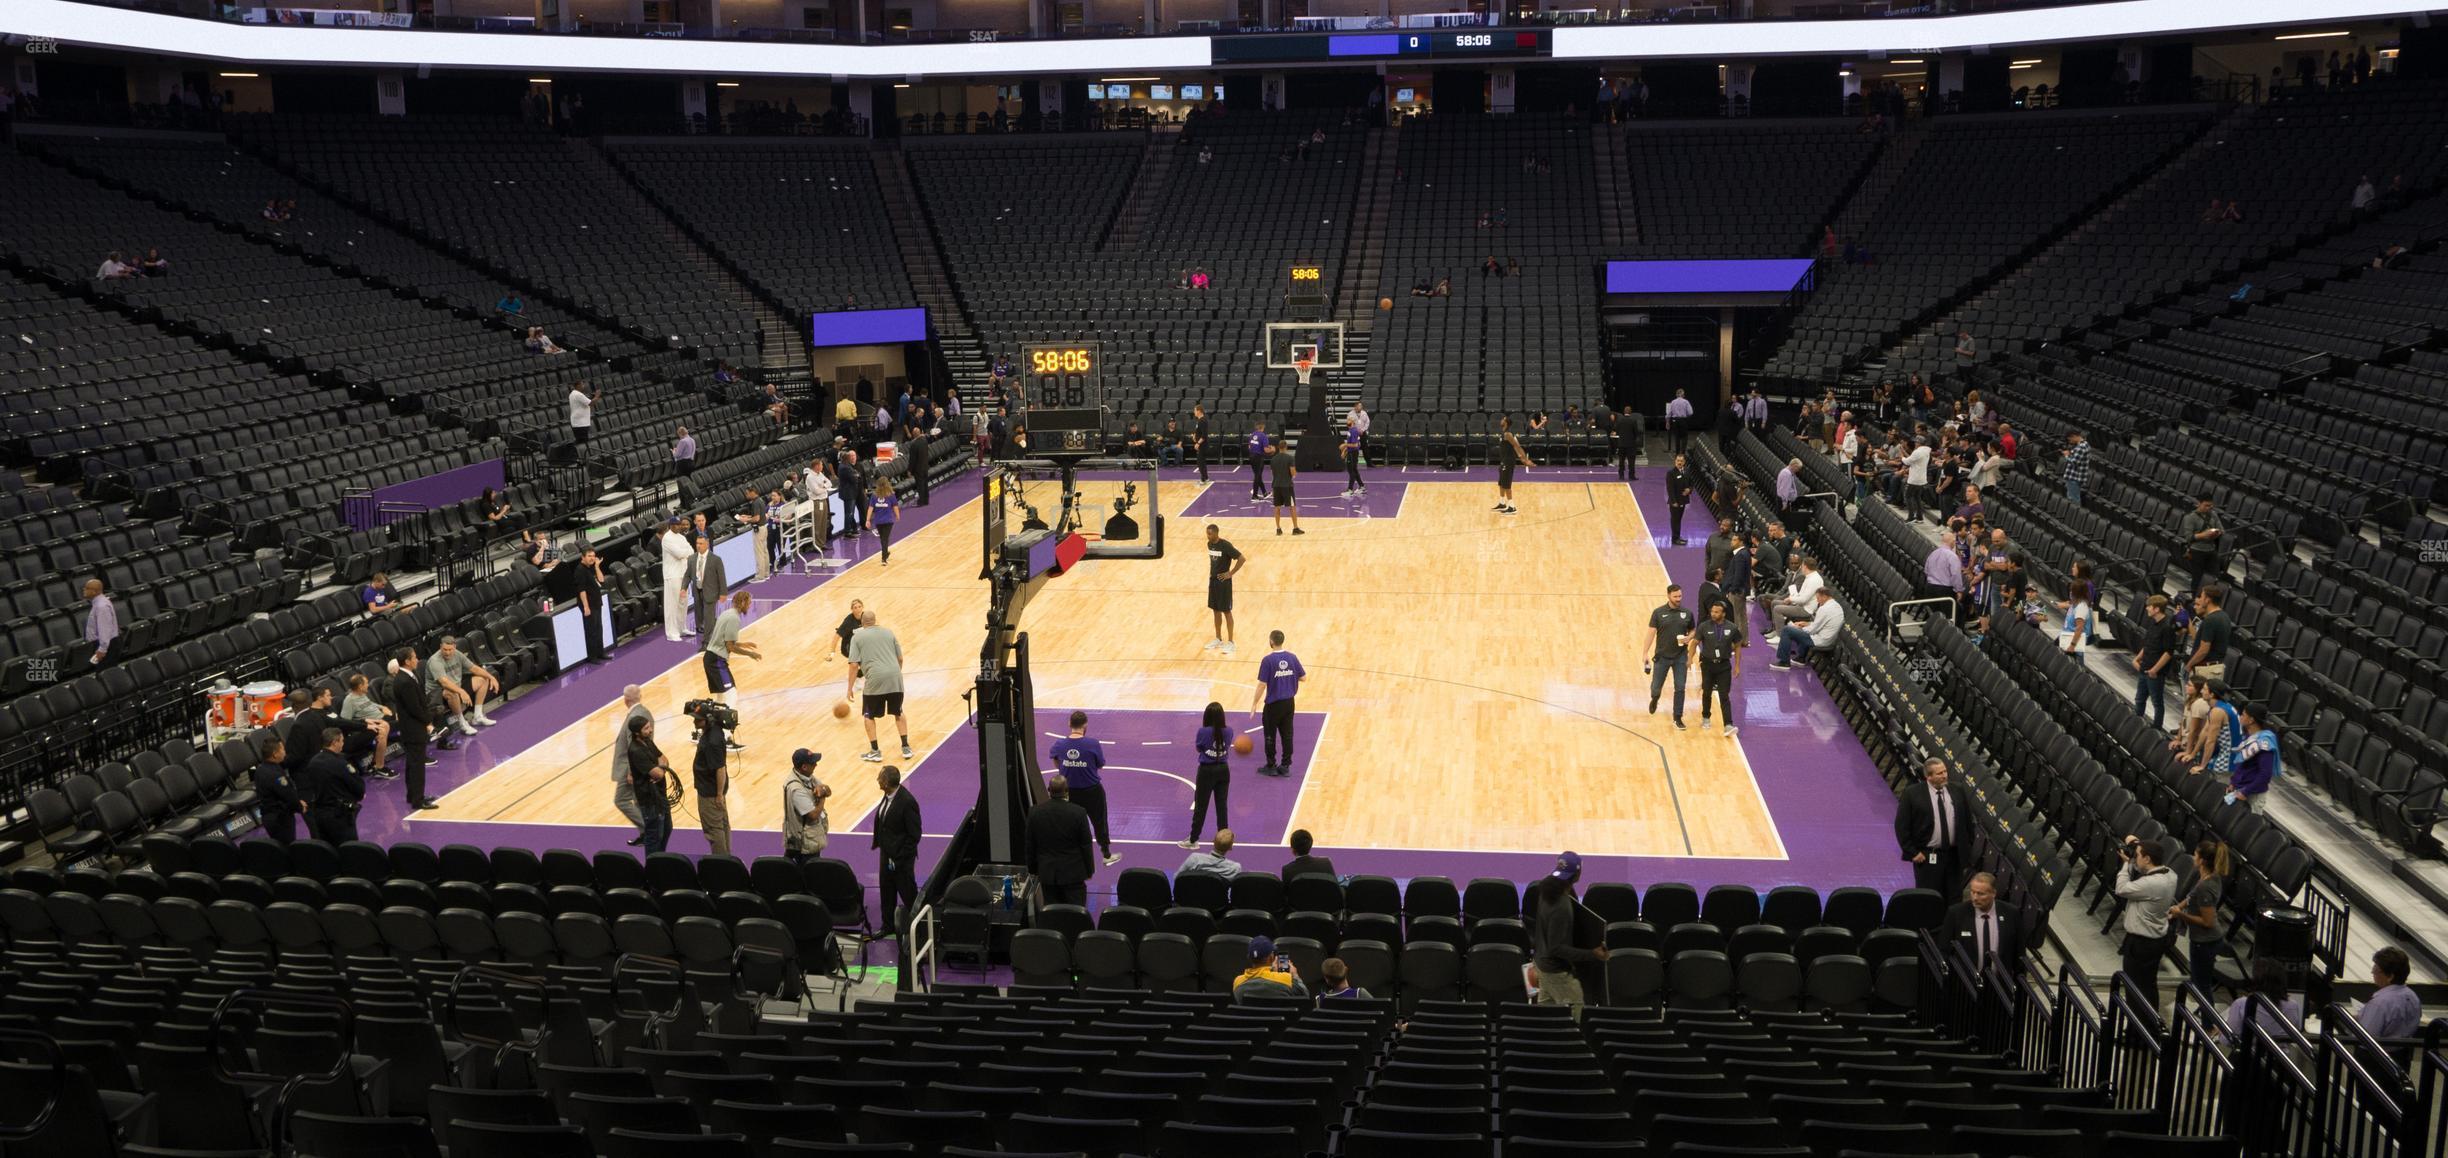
pixel 1223 562
pixel 1720 645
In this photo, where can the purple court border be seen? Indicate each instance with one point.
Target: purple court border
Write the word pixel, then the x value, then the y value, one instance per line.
pixel 1831 808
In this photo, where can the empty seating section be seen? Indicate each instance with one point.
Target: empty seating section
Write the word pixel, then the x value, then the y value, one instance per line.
pixel 1735 190
pixel 1246 217
pixel 1516 343
pixel 802 220
pixel 1019 221
pixel 678 997
pixel 1979 193
pixel 2290 167
pixel 539 208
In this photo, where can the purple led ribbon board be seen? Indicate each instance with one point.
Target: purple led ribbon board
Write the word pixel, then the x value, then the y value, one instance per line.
pixel 868 327
pixel 1736 276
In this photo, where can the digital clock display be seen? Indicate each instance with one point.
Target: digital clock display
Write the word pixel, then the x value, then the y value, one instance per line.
pixel 1306 273
pixel 1061 359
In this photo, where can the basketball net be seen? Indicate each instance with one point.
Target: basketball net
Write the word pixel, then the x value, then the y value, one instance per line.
pixel 1301 367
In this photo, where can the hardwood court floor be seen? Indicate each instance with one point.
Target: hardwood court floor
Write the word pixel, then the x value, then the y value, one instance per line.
pixel 1480 675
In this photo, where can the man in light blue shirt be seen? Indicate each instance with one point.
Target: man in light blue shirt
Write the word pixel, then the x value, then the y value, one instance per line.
pixel 1942 574
pixel 1213 862
pixel 2393 1011
pixel 1678 415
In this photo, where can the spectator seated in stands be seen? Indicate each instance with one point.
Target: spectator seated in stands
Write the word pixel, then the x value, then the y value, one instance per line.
pixel 2392 1011
pixel 1512 267
pixel 2394 257
pixel 1267 975
pixel 1423 288
pixel 2216 211
pixel 1484 219
pixel 1335 981
pixel 2281 1010
pixel 538 342
pixel 1171 444
pixel 2233 212
pixel 724 375
pixel 1444 287
pixel 2364 194
pixel 1800 636
pixel 511 305
pixel 1200 280
pixel 1206 154
pixel 464 684
pixel 272 211
pixel 494 505
pixel 154 264
pixel 378 596
pixel 539 549
pixel 776 406
pixel 1136 443
pixel 1491 267
pixel 114 269
pixel 1303 861
pixel 359 708
pixel 1213 862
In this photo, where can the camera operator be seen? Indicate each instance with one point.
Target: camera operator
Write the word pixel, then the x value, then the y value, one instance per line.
pixel 648 772
pixel 2148 889
pixel 712 772
pixel 806 827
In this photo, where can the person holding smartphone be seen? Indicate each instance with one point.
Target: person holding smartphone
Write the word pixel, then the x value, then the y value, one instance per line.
pixel 1268 974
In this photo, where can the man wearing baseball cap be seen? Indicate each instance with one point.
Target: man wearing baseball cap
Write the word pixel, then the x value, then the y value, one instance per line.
pixel 1553 928
pixel 1267 977
pixel 805 827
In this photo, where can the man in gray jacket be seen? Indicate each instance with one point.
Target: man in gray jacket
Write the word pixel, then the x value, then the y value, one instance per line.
pixel 624 795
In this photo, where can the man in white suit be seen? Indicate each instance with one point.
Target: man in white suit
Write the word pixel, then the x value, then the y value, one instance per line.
pixel 677 618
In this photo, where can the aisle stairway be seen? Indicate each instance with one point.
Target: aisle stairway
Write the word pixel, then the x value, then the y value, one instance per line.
pixel 782 353
pixel 1147 188
pixel 1617 220
pixel 1364 247
pixel 922 258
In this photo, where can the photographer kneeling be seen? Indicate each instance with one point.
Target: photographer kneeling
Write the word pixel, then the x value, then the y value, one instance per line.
pixel 712 771
pixel 2148 889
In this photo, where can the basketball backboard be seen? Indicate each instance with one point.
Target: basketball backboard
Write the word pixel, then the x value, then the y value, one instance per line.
pixel 1287 341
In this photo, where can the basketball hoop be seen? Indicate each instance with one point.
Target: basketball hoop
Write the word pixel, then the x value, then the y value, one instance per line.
pixel 1302 366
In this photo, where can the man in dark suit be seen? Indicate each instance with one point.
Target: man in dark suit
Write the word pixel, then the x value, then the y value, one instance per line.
pixel 332 790
pixel 916 447
pixel 1302 864
pixel 407 695
pixel 1933 829
pixel 896 844
pixel 706 578
pixel 1061 845
pixel 1987 928
pixel 358 740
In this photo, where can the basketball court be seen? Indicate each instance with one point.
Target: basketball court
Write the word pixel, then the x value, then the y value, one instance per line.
pixel 1475 699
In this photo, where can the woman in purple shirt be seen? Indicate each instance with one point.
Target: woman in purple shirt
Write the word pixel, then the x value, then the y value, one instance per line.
pixel 1214 744
pixel 2256 759
pixel 884 509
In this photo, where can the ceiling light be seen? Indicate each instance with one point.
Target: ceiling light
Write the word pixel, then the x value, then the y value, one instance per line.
pixel 2019 67
pixel 1911 60
pixel 239 75
pixel 1122 79
pixel 900 86
pixel 1903 75
pixel 726 84
pixel 539 80
pixel 2312 35
pixel 2034 60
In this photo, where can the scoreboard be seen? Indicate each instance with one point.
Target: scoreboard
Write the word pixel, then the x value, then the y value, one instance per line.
pixel 1065 385
pixel 1458 43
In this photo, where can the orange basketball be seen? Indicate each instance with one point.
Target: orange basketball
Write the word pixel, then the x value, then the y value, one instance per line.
pixel 1242 745
pixel 841 710
pixel 1385 303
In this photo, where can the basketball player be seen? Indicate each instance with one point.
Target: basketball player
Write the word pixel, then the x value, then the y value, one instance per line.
pixel 1279 679
pixel 875 656
pixel 1678 496
pixel 1508 452
pixel 1284 473
pixel 1223 562
pixel 1719 643
pixel 722 642
pixel 1081 761
pixel 1351 458
pixel 1259 446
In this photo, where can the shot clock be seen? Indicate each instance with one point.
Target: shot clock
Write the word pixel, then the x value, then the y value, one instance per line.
pixel 1066 392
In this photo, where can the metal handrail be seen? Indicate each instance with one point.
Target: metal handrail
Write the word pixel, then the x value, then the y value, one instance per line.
pixel 1894 624
pixel 926 950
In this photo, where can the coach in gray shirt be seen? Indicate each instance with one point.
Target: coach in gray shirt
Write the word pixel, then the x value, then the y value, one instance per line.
pixel 624 795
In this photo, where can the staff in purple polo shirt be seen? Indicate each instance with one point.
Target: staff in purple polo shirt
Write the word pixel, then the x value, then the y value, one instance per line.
pixel 1279 679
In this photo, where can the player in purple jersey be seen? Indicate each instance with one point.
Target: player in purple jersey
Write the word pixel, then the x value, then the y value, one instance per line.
pixel 1279 679
pixel 1259 447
